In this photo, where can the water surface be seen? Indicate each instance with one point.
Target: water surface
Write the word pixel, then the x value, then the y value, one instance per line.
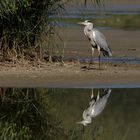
pixel 53 114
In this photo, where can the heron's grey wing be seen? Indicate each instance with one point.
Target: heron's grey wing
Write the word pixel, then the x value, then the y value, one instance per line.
pixel 101 41
pixel 92 101
pixel 107 91
pixel 100 104
pixel 89 34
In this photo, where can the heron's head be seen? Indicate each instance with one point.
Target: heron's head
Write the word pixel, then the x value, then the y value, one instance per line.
pixel 86 23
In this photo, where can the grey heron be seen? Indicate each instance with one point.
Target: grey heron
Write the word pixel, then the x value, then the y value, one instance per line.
pixel 96 106
pixel 96 39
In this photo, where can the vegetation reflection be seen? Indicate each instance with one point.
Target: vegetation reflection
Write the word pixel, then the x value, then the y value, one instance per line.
pixel 40 114
pixel 26 114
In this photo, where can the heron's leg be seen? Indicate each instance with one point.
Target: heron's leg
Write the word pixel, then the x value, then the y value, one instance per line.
pixel 92 54
pixel 107 63
pixel 92 95
pixel 98 96
pixel 99 55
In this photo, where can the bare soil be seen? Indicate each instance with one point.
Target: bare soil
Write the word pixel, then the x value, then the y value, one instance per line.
pixel 70 75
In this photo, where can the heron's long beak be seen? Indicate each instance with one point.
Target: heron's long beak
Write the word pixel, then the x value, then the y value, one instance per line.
pixel 81 123
pixel 81 23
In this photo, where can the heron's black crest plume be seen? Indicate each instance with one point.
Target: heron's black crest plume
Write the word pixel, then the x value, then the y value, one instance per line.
pixel 87 20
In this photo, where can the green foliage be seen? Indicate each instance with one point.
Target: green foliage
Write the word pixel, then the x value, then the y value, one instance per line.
pixel 8 131
pixel 22 23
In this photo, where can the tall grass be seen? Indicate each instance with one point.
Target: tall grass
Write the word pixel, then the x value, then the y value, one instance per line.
pixel 23 23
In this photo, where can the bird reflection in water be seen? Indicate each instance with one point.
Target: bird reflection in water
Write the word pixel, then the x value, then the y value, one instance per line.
pixel 96 106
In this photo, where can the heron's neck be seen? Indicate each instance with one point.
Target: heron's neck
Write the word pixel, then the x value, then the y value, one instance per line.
pixel 89 27
pixel 85 122
pixel 87 119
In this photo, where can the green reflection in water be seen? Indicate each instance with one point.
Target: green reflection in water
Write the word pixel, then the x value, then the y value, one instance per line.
pixel 25 114
pixel 52 114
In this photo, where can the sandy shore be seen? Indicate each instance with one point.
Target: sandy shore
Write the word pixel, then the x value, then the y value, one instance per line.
pixel 70 75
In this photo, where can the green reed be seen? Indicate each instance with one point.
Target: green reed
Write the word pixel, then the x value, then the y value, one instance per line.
pixel 24 23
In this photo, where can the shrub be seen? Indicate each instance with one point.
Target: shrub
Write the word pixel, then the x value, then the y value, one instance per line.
pixel 24 23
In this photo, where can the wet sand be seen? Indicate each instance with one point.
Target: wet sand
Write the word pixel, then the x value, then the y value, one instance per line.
pixel 70 75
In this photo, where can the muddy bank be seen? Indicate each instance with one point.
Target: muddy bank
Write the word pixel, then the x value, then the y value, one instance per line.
pixel 70 75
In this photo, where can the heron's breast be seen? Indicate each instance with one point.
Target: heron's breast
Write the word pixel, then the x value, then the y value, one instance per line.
pixel 92 112
pixel 93 33
pixel 93 43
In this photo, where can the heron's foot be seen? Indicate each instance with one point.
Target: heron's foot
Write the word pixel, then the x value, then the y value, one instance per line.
pixel 91 63
pixel 102 67
pixel 62 63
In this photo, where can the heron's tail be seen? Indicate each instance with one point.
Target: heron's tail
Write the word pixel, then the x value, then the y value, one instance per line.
pixel 108 52
pixel 106 93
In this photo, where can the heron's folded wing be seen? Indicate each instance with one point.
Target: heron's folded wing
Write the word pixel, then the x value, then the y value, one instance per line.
pixel 100 40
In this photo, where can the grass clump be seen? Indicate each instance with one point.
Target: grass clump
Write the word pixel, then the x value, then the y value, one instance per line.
pixel 25 24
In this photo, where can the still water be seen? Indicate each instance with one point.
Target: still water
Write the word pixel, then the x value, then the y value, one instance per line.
pixel 56 114
pixel 74 13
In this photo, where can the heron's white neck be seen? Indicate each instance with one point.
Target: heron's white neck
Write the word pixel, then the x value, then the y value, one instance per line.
pixel 84 122
pixel 89 26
